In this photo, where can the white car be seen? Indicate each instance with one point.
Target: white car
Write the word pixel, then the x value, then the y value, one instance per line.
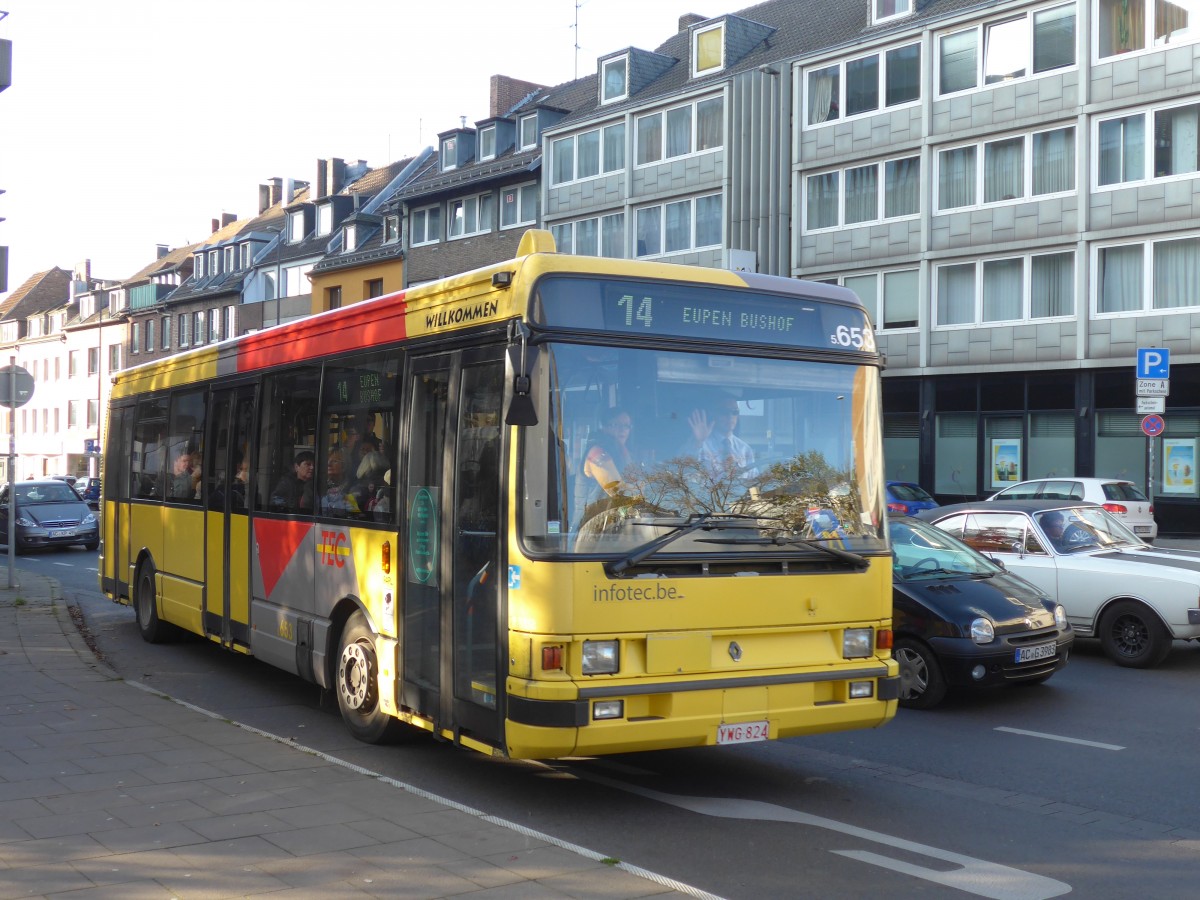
pixel 1134 597
pixel 1123 499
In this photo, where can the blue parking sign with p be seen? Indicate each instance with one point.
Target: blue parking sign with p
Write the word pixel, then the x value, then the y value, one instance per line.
pixel 1153 362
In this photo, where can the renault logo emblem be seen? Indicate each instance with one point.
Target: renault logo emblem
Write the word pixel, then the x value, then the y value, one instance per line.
pixel 735 652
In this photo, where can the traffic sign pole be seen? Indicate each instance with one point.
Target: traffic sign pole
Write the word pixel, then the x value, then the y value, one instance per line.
pixel 12 474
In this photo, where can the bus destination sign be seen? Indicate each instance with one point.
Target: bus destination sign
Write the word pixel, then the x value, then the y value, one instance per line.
pixel 706 313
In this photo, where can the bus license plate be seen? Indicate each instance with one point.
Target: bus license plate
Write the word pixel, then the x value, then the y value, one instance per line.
pixel 1041 651
pixel 743 732
pixel 65 532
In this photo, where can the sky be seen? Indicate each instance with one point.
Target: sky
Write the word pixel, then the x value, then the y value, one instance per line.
pixel 133 123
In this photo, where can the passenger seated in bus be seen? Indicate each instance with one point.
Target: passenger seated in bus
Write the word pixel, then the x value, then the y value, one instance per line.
pixel 608 463
pixel 338 499
pixel 370 479
pixel 294 492
pixel 182 487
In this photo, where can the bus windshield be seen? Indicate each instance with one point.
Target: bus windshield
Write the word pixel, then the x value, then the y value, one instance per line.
pixel 634 443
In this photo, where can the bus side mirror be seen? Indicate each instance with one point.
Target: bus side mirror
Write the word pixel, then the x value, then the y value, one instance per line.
pixel 521 359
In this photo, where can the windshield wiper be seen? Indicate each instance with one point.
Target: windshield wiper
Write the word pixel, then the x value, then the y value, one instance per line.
pixel 846 556
pixel 615 567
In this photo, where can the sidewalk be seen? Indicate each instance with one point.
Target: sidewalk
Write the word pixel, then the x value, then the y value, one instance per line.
pixel 110 790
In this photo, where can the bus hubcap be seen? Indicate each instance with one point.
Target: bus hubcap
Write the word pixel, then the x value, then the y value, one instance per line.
pixel 355 677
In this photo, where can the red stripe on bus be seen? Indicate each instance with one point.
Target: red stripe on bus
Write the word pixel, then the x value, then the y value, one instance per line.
pixel 277 541
pixel 357 327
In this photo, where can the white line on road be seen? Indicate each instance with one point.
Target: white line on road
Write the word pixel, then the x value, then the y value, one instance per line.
pixel 1059 737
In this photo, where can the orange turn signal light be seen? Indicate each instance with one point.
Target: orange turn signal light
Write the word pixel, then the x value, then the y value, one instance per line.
pixel 386 557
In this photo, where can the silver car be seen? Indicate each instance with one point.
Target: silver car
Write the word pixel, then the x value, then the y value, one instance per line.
pixel 1135 598
pixel 1123 499
pixel 49 514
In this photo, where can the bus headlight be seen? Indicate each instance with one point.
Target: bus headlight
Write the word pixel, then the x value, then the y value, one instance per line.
pixel 601 657
pixel 857 643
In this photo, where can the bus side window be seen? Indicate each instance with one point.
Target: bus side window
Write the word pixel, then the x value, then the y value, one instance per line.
pixel 288 427
pixel 148 462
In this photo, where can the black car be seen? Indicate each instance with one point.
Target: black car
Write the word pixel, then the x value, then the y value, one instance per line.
pixel 49 514
pixel 961 620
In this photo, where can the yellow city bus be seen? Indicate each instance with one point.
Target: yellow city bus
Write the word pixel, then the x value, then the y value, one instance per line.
pixel 556 506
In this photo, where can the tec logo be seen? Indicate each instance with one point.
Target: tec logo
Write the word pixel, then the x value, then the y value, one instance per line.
pixel 333 548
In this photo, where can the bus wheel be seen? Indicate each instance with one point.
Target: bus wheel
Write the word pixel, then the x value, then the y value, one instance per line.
pixel 145 607
pixel 358 684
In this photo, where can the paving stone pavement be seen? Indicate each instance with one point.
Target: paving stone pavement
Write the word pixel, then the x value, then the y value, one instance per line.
pixel 108 790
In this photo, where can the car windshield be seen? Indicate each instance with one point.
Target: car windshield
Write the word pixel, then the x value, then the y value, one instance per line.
pixel 910 492
pixel 921 552
pixel 1082 529
pixel 733 455
pixel 59 492
pixel 1123 490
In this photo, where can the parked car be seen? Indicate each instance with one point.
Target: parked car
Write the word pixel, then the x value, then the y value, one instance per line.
pixel 961 621
pixel 48 514
pixel 1123 499
pixel 1134 597
pixel 69 479
pixel 905 498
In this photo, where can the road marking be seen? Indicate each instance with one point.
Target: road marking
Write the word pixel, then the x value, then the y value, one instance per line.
pixel 1059 737
pixel 975 876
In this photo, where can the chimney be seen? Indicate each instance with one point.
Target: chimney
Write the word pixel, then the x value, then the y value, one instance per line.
pixel 276 190
pixel 228 219
pixel 264 198
pixel 162 250
pixel 83 270
pixel 508 92
pixel 687 20
pixel 216 224
pixel 331 176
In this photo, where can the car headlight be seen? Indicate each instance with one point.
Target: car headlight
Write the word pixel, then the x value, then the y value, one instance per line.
pixel 601 657
pixel 982 631
pixel 1060 616
pixel 858 643
pixel 25 523
pixel 89 519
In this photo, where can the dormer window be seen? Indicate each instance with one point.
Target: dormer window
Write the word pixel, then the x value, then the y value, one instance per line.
pixel 244 256
pixel 214 262
pixel 449 155
pixel 391 229
pixel 350 240
pixel 614 79
pixel 295 227
pixel 324 219
pixel 708 49
pixel 529 132
pixel 230 259
pixel 882 10
pixel 487 142
pixel 198 266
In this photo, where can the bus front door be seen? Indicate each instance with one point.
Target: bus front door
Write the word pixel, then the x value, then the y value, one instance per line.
pixel 227 535
pixel 453 668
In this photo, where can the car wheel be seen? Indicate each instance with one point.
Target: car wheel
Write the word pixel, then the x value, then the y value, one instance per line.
pixel 1132 635
pixel 91 545
pixel 922 685
pixel 145 607
pixel 356 683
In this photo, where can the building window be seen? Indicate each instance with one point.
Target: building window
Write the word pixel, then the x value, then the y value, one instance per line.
pixel 449 154
pixel 1014 168
pixel 199 333
pixel 295 227
pixel 864 194
pixel 696 127
pixel 296 280
pixel 1124 24
pixel 350 238
pixel 529 132
pixel 165 327
pixel 487 142
pixel 324 218
pixel 1153 276
pixel 214 262
pixel 114 357
pixel 679 226
pixel 182 322
pixel 231 321
pixel 614 79
pixel 881 10
pixel 198 266
pixel 470 215
pixel 1036 42
pixel 1008 289
pixel 93 362
pixel 230 259
pixel 333 297
pixel 854 88
pixel 1171 143
pixel 708 49
pixel 74 413
pixel 93 413
pixel 214 325
pixel 425 226
pixel 588 154
pixel 601 236
pixel 391 229
pixel 244 251
pixel 135 337
pixel 898 291
pixel 518 205
pixel 149 346
pixel 73 361
pixel 375 288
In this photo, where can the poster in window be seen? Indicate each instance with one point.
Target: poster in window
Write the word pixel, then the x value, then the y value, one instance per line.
pixel 1006 461
pixel 1179 466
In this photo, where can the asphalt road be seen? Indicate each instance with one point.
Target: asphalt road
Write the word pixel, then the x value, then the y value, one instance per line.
pixel 1082 784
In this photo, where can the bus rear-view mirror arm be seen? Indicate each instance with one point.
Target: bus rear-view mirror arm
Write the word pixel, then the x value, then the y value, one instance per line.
pixel 521 359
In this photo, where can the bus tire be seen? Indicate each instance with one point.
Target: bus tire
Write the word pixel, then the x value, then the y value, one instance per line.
pixel 145 607
pixel 356 683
